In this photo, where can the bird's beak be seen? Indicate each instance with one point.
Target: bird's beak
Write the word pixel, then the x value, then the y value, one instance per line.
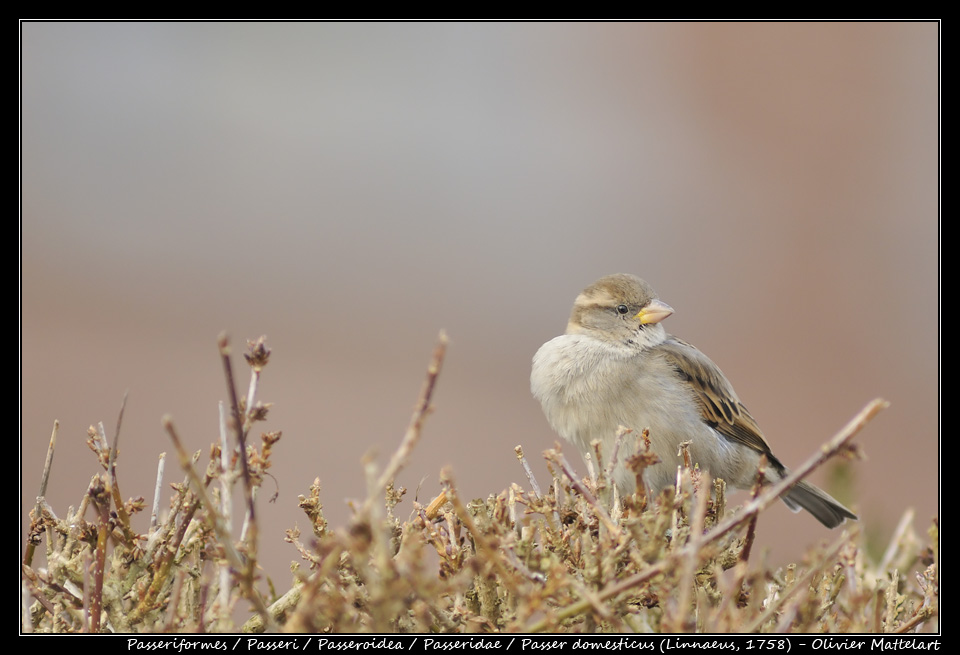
pixel 654 312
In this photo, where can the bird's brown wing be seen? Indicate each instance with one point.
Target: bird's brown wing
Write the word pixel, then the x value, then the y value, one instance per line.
pixel 719 404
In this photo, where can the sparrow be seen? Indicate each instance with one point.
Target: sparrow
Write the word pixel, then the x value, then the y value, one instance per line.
pixel 616 365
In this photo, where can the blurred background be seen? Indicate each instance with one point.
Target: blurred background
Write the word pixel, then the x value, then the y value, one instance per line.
pixel 350 189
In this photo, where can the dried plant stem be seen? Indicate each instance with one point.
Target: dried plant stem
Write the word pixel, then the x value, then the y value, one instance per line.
pixel 26 625
pixel 801 583
pixel 433 509
pixel 251 531
pixel 612 457
pixel 248 528
pixel 174 602
pixel 596 603
pixel 216 522
pixel 112 461
pixel 122 515
pixel 155 509
pixel 681 620
pixel 249 521
pixel 922 616
pixel 226 510
pixel 526 469
pixel 32 579
pixel 44 479
pixel 251 395
pixel 533 482
pixel 157 537
pixel 103 533
pixel 379 541
pixel 752 525
pixel 278 609
pixel 557 458
pixel 489 550
pixel 412 434
pixel 299 612
pixel 48 464
pixel 86 592
pixel 905 521
pixel 202 609
pixel 163 570
pixel 239 424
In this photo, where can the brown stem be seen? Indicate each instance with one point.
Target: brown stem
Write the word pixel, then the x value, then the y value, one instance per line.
pixel 803 582
pixel 557 457
pixel 224 344
pixel 754 492
pixel 101 503
pixel 149 599
pixel 216 522
pixel 123 518
pixel 44 479
pixel 412 434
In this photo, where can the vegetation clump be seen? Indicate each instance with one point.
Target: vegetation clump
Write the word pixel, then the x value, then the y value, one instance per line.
pixel 570 557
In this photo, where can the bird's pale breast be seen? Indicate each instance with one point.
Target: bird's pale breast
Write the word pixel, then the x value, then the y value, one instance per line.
pixel 589 387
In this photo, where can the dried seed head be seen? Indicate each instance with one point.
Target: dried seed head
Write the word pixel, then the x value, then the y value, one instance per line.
pixel 257 354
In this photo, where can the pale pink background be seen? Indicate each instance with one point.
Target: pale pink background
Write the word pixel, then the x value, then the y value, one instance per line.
pixel 351 189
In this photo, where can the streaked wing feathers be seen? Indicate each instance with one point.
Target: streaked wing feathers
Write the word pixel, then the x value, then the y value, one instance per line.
pixel 719 404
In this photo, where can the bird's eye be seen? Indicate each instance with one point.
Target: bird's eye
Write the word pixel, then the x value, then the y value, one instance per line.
pixel 622 309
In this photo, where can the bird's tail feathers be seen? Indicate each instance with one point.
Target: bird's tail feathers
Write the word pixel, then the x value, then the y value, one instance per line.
pixel 824 508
